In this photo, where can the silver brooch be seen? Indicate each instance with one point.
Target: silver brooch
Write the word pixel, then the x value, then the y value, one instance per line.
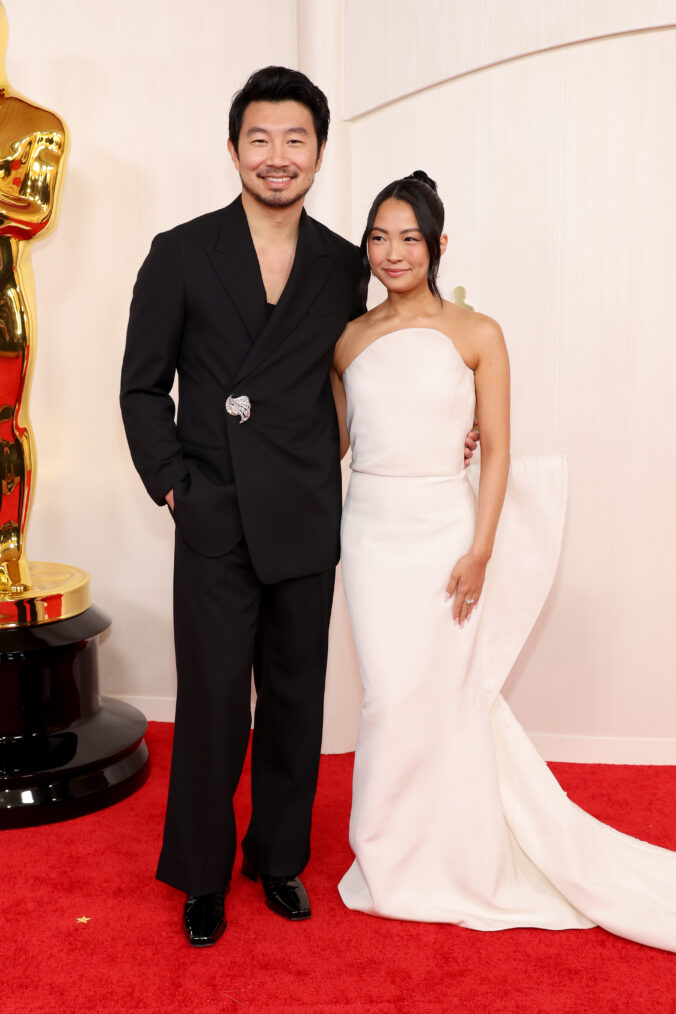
pixel 239 406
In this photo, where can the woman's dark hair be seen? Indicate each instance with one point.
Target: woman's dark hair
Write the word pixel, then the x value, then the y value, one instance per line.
pixel 420 192
pixel 280 84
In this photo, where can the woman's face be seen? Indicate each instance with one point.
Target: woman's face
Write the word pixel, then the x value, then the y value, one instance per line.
pixel 397 251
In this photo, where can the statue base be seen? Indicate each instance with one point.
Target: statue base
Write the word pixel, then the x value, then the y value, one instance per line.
pixel 56 592
pixel 64 750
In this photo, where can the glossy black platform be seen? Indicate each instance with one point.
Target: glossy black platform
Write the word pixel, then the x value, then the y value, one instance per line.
pixel 64 750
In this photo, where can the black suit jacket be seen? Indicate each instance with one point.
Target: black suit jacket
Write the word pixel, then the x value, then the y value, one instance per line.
pixel 199 310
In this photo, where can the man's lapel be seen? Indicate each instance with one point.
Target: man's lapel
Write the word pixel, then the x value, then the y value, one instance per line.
pixel 235 262
pixel 311 266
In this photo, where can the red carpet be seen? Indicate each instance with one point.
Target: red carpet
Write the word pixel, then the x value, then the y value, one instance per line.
pixel 131 956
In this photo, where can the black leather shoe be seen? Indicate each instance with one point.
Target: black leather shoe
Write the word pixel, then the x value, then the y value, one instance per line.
pixel 204 918
pixel 284 895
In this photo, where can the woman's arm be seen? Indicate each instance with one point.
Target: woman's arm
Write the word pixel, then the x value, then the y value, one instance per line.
pixel 341 409
pixel 491 379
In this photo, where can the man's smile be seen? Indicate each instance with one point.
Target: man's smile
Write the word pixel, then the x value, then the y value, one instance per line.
pixel 277 179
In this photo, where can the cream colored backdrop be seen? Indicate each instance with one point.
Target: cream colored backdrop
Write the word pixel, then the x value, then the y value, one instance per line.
pixel 549 127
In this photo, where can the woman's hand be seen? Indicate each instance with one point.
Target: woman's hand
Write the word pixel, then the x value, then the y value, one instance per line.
pixel 466 583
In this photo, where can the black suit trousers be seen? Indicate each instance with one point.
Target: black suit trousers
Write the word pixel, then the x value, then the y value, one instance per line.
pixel 226 621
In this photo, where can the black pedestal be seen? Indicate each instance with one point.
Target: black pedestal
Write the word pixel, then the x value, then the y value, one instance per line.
pixel 64 750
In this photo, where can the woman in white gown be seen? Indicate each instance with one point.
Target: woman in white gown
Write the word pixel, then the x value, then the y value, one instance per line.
pixel 455 817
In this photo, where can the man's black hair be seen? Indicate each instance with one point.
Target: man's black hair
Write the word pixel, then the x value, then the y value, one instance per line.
pixel 280 84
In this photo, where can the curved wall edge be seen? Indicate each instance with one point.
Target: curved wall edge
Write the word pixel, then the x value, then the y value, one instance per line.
pixel 413 58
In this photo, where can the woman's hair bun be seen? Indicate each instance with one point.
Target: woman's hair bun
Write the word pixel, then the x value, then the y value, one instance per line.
pixel 422 177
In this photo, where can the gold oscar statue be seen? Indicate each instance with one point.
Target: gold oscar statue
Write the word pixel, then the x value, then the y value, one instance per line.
pixel 65 749
pixel 33 149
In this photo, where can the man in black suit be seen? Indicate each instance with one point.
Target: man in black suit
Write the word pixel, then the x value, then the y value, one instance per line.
pixel 246 304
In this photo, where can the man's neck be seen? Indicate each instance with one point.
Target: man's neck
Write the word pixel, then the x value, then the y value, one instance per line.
pixel 275 226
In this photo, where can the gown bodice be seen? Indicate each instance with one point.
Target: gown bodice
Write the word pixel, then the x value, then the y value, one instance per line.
pixel 410 402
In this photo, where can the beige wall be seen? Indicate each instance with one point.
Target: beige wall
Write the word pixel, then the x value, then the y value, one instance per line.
pixel 406 47
pixel 556 169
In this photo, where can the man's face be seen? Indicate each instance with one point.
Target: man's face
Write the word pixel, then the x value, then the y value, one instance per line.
pixel 277 158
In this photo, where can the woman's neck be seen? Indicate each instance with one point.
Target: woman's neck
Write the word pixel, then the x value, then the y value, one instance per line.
pixel 413 305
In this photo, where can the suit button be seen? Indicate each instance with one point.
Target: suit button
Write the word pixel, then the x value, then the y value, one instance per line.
pixel 240 406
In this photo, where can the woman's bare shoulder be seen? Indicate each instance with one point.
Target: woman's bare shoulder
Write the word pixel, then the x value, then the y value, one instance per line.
pixel 471 332
pixel 485 328
pixel 461 320
pixel 357 335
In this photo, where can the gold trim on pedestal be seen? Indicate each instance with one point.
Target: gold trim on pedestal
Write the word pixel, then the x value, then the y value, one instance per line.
pixel 57 592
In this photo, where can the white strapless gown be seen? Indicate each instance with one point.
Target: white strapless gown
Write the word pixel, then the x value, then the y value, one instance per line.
pixel 455 817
